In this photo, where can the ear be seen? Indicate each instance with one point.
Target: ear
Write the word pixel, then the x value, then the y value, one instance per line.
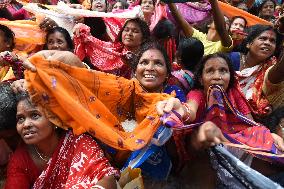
pixel 248 45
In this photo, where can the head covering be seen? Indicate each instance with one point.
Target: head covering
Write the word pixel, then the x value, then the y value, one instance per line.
pixel 93 101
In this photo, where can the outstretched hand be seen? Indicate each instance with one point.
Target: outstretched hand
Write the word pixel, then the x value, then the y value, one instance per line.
pixel 207 135
pixel 170 104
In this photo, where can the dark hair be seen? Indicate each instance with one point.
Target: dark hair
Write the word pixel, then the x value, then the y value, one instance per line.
pixel 64 32
pixel 190 50
pixel 154 2
pixel 164 29
pixel 262 4
pixel 97 26
pixel 201 64
pixel 143 27
pixel 4 13
pixel 8 35
pixel 253 32
pixel 235 17
pixel 152 45
pixel 273 119
pixel 8 107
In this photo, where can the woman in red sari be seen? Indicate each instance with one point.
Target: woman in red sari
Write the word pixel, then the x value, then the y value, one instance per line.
pixel 53 158
pixel 221 114
pixel 216 70
pixel 108 56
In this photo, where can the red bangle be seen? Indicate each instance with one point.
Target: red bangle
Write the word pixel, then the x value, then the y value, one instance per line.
pixel 186 118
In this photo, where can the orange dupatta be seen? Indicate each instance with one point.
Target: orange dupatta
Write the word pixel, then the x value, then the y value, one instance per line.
pixel 231 11
pixel 94 102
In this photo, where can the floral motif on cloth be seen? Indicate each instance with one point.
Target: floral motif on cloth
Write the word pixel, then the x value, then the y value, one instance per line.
pixel 78 162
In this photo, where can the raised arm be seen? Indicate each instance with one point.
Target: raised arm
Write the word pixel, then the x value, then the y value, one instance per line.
pixel 275 74
pixel 185 26
pixel 220 25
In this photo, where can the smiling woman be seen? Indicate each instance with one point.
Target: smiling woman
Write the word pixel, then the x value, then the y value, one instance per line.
pixel 152 70
pixel 58 39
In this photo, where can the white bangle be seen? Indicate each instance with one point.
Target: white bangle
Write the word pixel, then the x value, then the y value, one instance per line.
pixel 97 187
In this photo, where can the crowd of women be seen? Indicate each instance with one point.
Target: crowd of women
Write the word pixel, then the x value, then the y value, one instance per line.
pixel 90 88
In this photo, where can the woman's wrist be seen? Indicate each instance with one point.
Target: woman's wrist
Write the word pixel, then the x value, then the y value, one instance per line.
pixel 187 113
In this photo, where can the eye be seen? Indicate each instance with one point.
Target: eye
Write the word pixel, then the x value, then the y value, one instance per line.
pixel 35 116
pixel 20 119
pixel 126 29
pixel 60 42
pixel 143 63
pixel 136 31
pixel 159 63
pixel 210 71
pixel 50 42
pixel 223 70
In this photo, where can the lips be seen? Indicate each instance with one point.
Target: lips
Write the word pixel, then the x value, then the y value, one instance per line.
pixel 265 49
pixel 149 76
pixel 28 134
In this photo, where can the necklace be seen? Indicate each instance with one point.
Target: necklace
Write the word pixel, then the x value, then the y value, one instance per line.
pixel 243 62
pixel 41 156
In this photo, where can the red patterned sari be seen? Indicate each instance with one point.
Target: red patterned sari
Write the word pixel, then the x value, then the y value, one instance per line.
pixel 105 56
pixel 77 163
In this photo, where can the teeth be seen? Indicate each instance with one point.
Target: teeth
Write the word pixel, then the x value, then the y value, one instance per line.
pixel 149 76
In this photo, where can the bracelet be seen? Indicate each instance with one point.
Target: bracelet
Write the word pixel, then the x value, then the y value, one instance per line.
pixel 97 187
pixel 186 117
pixel 15 63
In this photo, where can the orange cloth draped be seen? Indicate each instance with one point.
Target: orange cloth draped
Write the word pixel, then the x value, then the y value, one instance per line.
pixel 28 36
pixel 94 102
pixel 231 11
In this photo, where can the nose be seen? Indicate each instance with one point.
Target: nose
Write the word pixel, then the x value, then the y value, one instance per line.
pixel 217 75
pixel 129 32
pixel 27 124
pixel 150 66
pixel 54 46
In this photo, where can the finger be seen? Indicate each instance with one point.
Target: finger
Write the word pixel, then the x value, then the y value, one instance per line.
pixel 160 107
pixel 280 143
pixel 29 66
pixel 169 105
pixel 223 138
pixel 217 140
pixel 201 135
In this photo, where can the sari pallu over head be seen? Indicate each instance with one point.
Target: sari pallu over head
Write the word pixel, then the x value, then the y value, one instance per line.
pixel 94 102
pixel 248 135
pixel 242 132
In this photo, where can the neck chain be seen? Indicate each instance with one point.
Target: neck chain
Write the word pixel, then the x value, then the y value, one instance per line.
pixel 41 156
pixel 243 62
